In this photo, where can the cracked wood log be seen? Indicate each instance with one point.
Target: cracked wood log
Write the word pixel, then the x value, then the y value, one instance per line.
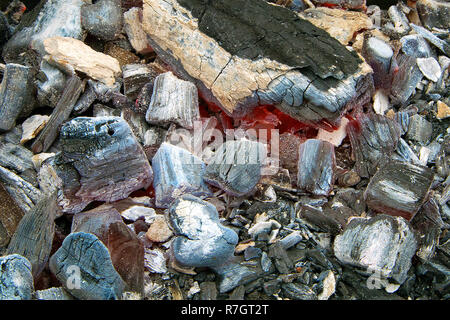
pixel 232 51
pixel 61 113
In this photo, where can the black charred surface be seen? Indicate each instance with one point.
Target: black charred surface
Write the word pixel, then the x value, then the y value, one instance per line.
pixel 254 29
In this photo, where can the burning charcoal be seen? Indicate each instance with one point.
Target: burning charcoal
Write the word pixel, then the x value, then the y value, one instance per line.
pixel 390 254
pixel 340 24
pixel 100 161
pixel 102 19
pixel 202 241
pixel 177 171
pixel 135 76
pixel 16 281
pixel 23 192
pixel 298 291
pixel 430 68
pixel 236 166
pixel 373 138
pixel 334 137
pixel 419 129
pixel 54 18
pixel 10 216
pixel 34 234
pixel 380 57
pixel 60 114
pixel 399 189
pixel 174 100
pixel 32 126
pixel 132 20
pixel 16 92
pixel 438 43
pixel 73 54
pixel 289 144
pixel 58 293
pixel 316 166
pixel 85 253
pixel 159 230
pixel 434 13
pixel 239 77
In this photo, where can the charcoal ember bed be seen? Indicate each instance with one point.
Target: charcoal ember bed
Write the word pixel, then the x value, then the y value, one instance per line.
pixel 226 149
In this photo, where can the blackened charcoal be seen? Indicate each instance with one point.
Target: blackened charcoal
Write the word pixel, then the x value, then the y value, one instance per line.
pixel 280 258
pixel 173 100
pixel 50 85
pixel 144 98
pixel 405 80
pixel 10 216
pixel 15 157
pixel 16 281
pixel 96 90
pixel 5 31
pixel 436 41
pixel 236 166
pixel 85 253
pixel 419 129
pixel 415 45
pixel 319 219
pixel 16 94
pixel 202 241
pixel 383 244
pixel 298 291
pixel 405 153
pixel 380 56
pixel 34 234
pixel 85 100
pixel 177 171
pixel 135 76
pixel 100 161
pixel 399 189
pixel 316 166
pixel 373 138
pixel 102 19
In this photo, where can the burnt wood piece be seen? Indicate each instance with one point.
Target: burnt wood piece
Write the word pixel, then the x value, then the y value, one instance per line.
pixel 10 215
pixel 60 114
pixel 16 92
pixel 34 234
pixel 102 19
pixel 100 160
pixel 135 76
pixel 243 53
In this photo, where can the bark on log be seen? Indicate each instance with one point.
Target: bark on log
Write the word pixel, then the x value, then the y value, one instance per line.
pixel 232 51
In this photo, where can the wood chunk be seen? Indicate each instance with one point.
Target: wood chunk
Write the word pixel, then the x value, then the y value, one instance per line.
pixel 60 114
pixel 16 92
pixel 230 51
pixel 101 160
pixel 73 54
pixel 132 23
pixel 10 215
pixel 34 234
pixel 174 100
pixel 86 253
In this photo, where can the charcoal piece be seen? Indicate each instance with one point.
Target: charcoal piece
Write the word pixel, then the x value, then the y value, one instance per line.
pixel 319 219
pixel 135 76
pixel 32 126
pixel 132 24
pixel 298 291
pixel 102 19
pixel 49 19
pixel 252 253
pixel 202 241
pixel 208 291
pixel 16 91
pixel 144 98
pixel 280 258
pixel 96 221
pixel 5 31
pixel 16 280
pixel 55 293
pixel 105 93
pixel 236 166
pixel 84 254
pixel 177 171
pixel 100 161
pixel 398 25
pixel 100 110
pixel 382 244
pixel 316 166
pixel 237 76
pixel 10 216
pixel 434 13
pixel 415 45
pixel 60 114
pixel 430 68
pixel 34 235
pixel 405 153
pixel 85 101
pixel 50 85
pixel 291 240
pixel 399 189
pixel 289 144
pixel 23 192
pixel 433 39
pixel 405 80
pixel 373 138
pixel 15 157
pixel 283 211
pixel 173 100
pixel 419 129
pixel 155 261
pixel 137 123
pixel 380 56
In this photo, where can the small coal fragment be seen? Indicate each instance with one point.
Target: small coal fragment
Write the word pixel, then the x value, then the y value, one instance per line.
pixel 399 189
pixel 173 100
pixel 280 257
pixel 434 13
pixel 135 76
pixel 34 235
pixel 419 129
pixel 316 166
pixel 177 171
pixel 16 92
pixel 202 241
pixel 85 255
pixel 102 19
pixel 100 161
pixel 236 166
pixel 16 281
pixel 373 138
pixel 383 244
